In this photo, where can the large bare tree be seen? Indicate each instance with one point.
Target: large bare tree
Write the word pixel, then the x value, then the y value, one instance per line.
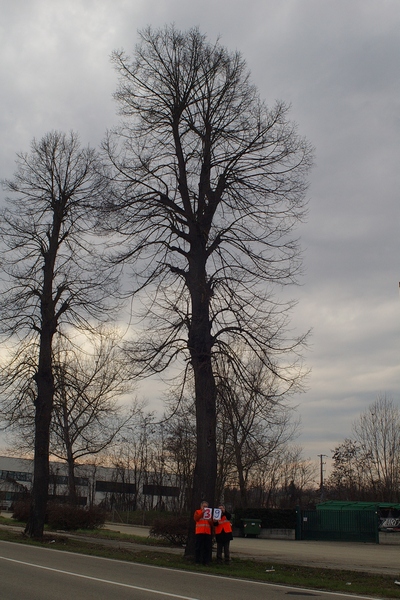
pixel 209 183
pixel 51 278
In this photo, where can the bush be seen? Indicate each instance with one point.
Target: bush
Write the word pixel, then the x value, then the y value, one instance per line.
pixel 69 517
pixel 172 529
pixel 21 510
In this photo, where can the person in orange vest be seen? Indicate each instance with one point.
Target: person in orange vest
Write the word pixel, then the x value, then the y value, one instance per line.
pixel 203 537
pixel 223 534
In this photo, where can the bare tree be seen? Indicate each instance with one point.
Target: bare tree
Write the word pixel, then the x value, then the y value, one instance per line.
pixel 348 479
pixel 91 375
pixel 133 454
pixel 254 418
pixel 377 431
pixel 87 413
pixel 51 277
pixel 286 478
pixel 209 183
pixel 180 429
pixel 255 426
pixel 366 466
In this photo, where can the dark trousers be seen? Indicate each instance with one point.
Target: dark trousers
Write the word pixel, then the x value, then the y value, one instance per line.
pixel 203 548
pixel 223 547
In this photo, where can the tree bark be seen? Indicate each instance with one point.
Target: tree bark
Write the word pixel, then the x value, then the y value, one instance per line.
pixel 45 387
pixel 200 346
pixel 43 410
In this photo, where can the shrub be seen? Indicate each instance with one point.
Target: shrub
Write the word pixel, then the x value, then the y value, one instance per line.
pixel 21 510
pixel 172 529
pixel 69 517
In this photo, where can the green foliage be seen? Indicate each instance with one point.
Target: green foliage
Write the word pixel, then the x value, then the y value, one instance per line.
pixel 271 518
pixel 172 529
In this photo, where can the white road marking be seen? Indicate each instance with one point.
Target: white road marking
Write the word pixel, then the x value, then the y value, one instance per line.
pixel 126 585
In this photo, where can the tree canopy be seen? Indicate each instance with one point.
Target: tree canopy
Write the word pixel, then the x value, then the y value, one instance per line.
pixel 210 184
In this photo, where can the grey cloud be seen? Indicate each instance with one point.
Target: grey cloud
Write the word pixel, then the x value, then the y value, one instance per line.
pixel 337 63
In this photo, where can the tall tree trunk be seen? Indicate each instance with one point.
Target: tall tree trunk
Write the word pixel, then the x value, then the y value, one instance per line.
pixel 43 410
pixel 205 472
pixel 200 346
pixel 72 494
pixel 45 390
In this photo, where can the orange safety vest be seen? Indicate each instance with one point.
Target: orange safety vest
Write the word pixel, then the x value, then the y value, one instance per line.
pixel 202 525
pixel 223 525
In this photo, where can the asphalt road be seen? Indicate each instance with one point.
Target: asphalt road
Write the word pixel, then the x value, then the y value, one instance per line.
pixel 34 573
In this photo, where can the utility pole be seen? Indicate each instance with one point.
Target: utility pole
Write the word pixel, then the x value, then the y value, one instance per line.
pixel 321 478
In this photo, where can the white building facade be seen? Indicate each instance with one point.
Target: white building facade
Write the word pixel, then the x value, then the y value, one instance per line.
pixel 124 489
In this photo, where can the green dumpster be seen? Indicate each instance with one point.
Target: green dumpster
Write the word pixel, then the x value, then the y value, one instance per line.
pixel 251 527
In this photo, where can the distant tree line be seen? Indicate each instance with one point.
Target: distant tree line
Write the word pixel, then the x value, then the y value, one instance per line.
pixel 163 454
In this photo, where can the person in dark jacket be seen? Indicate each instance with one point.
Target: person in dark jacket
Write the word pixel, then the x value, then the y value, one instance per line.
pixel 223 534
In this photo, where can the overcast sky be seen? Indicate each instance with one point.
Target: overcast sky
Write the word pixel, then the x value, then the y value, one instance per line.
pixel 337 62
